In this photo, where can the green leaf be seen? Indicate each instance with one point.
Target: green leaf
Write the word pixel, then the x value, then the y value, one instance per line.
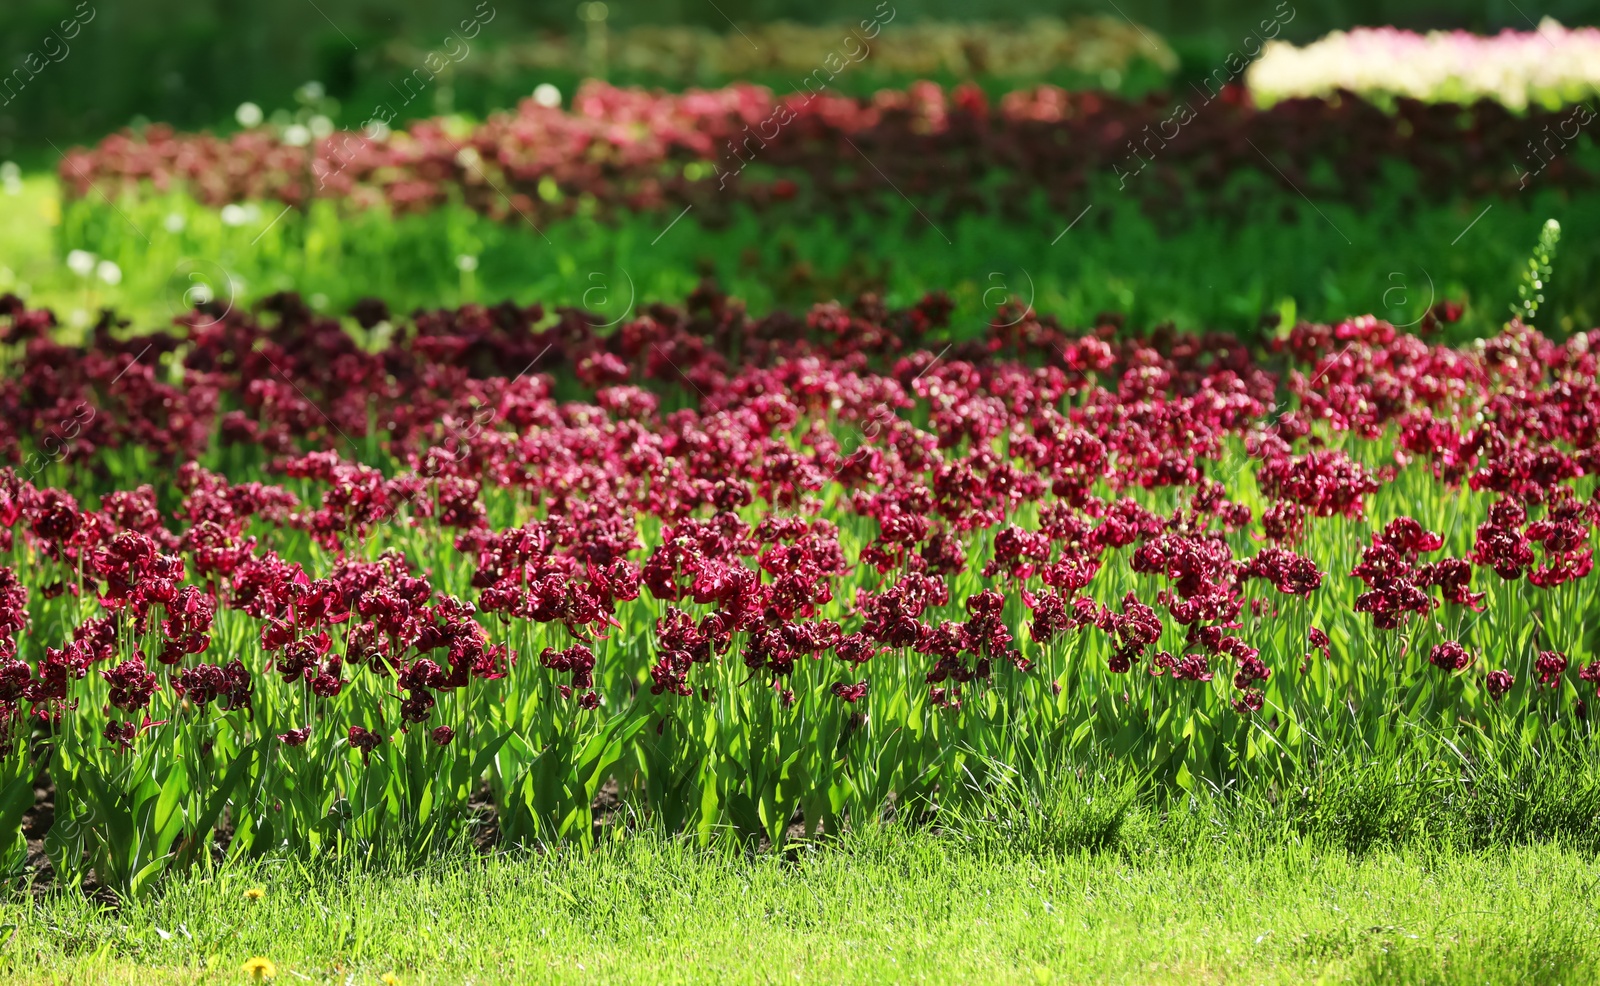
pixel 15 800
pixel 207 820
pixel 166 817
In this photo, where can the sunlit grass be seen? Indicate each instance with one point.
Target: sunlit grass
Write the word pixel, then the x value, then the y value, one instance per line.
pixel 1281 257
pixel 1164 903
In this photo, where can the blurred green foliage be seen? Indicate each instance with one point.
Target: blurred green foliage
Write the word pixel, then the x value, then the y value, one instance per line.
pixel 191 62
pixel 1325 262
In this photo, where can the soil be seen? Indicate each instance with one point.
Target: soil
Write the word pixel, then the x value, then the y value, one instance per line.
pixel 36 821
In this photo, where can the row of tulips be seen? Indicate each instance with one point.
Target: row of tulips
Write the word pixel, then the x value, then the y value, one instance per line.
pixel 277 582
pixel 952 151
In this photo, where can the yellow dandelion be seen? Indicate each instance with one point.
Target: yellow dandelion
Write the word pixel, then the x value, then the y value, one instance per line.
pixel 389 979
pixel 255 893
pixel 259 968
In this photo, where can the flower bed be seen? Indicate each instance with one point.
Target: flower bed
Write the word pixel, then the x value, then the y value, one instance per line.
pixel 1548 68
pixel 949 151
pixel 755 571
pixel 1043 46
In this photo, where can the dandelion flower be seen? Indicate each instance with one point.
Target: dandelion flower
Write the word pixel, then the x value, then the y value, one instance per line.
pixel 81 262
pixel 255 893
pixel 200 294
pixel 259 968
pixel 389 979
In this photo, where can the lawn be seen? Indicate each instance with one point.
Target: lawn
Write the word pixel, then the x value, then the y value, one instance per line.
pixel 1167 903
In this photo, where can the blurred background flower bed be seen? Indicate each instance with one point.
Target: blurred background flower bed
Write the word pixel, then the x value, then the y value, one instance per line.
pixel 1104 51
pixel 955 149
pixel 1548 68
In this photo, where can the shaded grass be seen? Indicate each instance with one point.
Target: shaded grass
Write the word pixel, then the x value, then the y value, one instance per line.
pixel 1506 797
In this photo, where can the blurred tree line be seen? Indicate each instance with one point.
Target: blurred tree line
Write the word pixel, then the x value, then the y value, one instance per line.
pixel 72 70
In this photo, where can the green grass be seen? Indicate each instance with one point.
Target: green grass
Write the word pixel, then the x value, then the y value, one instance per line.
pixel 31 261
pixel 1278 254
pixel 1207 891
